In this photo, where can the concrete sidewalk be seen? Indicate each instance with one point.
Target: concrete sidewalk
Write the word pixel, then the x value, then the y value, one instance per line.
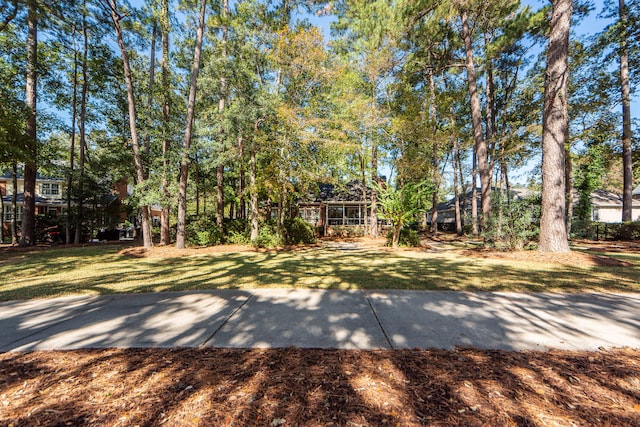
pixel 330 319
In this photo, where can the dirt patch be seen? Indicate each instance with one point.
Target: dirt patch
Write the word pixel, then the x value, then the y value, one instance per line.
pixel 577 259
pixel 319 387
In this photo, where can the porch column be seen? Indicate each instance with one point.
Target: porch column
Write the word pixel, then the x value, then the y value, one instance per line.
pixel 326 218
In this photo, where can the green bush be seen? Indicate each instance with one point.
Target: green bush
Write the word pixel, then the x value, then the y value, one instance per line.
pixel 346 231
pixel 298 231
pixel 203 231
pixel 408 238
pixel 268 236
pixel 628 231
pixel 625 231
pixel 519 225
pixel 581 229
pixel 237 231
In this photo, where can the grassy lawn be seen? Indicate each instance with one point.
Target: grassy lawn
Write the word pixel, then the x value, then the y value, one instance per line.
pixel 105 269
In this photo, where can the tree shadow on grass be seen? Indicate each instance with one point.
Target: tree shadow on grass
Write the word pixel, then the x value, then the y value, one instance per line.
pixel 109 272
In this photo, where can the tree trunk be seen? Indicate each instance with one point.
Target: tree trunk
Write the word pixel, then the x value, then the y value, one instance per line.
pixel 14 206
pixel 30 168
pixel 241 180
pixel 220 195
pixel 184 161
pixel 152 80
pixel 456 192
pixel 474 194
pixel 83 131
pixel 627 161
pixel 165 231
pixel 434 155
pixel 568 176
pixel 147 144
pixel 454 160
pixel 221 107
pixel 364 195
pixel 72 148
pixel 373 232
pixel 197 178
pixel 116 17
pixel 476 118
pixel 490 94
pixel 462 186
pixel 553 231
pixel 253 195
pixel 395 238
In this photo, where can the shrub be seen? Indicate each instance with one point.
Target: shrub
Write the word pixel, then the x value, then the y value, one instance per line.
pixel 268 236
pixel 519 225
pixel 346 231
pixel 237 231
pixel 298 231
pixel 583 229
pixel 625 231
pixel 628 231
pixel 203 231
pixel 48 229
pixel 408 238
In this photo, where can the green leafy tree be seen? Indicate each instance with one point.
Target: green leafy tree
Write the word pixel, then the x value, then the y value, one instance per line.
pixel 403 204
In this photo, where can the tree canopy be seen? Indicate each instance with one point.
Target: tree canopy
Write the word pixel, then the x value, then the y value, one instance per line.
pixel 235 108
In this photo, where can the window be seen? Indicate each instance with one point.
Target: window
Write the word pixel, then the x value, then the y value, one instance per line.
pixel 49 189
pixel 335 215
pixel 8 213
pixel 310 214
pixel 353 215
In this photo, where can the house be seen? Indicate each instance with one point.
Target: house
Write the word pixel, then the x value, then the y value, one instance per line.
pixel 48 198
pixel 334 210
pixel 605 207
pixel 447 210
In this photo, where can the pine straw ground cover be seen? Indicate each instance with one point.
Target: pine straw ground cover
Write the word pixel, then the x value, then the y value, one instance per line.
pixel 206 386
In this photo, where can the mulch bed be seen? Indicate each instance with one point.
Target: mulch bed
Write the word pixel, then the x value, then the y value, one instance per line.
pixel 272 387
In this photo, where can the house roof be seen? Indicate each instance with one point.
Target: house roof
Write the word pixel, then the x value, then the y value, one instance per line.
pixel 636 191
pixel 350 192
pixel 39 200
pixel 107 199
pixel 602 198
pixel 9 175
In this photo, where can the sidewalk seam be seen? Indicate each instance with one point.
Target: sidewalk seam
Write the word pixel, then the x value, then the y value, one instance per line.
pixel 225 321
pixel 373 310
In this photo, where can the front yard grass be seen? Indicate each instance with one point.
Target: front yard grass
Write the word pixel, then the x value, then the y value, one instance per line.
pixel 106 269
